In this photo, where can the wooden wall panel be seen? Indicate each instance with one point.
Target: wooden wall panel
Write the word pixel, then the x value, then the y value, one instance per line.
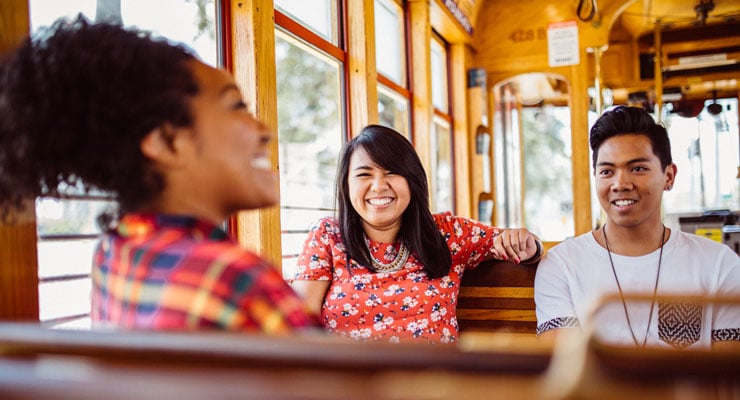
pixel 19 299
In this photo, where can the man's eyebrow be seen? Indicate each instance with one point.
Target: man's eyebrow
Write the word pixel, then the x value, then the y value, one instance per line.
pixel 632 161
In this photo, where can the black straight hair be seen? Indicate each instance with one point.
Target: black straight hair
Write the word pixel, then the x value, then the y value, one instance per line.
pixel 391 151
pixel 624 120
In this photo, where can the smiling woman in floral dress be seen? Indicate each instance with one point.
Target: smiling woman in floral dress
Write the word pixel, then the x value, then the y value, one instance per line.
pixel 387 268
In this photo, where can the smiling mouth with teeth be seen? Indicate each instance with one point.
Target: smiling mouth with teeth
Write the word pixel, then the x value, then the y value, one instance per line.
pixel 622 203
pixel 261 163
pixel 380 201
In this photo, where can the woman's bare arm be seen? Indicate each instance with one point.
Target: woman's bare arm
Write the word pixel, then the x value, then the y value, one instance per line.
pixel 312 292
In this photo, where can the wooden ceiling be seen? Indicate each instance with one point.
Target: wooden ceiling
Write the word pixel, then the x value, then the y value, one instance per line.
pixel 641 17
pixel 510 38
pixel 690 29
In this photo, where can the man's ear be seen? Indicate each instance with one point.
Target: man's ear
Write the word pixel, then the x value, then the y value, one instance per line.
pixel 159 146
pixel 670 173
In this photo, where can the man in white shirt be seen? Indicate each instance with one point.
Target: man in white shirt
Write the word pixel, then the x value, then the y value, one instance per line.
pixel 634 253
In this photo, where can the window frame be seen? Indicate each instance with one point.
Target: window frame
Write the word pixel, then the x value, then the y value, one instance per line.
pixel 339 52
pixel 445 115
pixel 388 83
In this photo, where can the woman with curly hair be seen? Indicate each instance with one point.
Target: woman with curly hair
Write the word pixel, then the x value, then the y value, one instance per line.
pixel 99 107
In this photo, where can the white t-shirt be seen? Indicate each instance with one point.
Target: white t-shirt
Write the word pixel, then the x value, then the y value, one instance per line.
pixel 574 276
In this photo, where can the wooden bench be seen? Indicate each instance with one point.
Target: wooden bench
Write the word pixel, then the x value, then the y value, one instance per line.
pixel 59 364
pixel 498 296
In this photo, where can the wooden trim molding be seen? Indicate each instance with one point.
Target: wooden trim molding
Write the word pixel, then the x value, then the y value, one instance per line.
pixel 361 70
pixel 19 294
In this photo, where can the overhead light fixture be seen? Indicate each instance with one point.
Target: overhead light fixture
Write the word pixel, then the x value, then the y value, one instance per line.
pixel 714 108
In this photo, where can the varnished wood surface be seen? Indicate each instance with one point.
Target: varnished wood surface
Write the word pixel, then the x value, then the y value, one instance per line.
pixel 498 296
pixel 80 379
pixel 239 349
pixel 38 363
pixel 42 364
pixel 18 260
pixel 253 37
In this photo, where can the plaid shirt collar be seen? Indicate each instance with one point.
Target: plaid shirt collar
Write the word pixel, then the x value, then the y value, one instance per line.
pixel 145 224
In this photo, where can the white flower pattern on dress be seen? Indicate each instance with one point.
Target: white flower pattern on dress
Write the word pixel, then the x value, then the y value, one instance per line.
pixel 399 305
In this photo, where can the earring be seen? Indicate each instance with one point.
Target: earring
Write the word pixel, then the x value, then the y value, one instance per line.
pixel 669 187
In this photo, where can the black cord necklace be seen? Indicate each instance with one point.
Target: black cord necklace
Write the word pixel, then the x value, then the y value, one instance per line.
pixel 621 295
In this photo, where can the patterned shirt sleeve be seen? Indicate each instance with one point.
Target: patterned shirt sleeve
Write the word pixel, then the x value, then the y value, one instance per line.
pixel 469 240
pixel 317 257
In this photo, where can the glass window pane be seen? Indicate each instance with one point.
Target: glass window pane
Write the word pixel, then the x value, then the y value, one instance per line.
pixel 289 266
pixel 68 216
pixel 320 16
pixel 548 172
pixel 705 150
pixel 310 131
pixel 507 167
pixel 65 298
pixel 390 42
pixel 441 166
pixel 65 257
pixel 393 110
pixel 192 23
pixel 439 76
pixel 533 155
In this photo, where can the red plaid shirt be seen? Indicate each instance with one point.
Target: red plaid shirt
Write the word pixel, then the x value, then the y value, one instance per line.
pixel 176 272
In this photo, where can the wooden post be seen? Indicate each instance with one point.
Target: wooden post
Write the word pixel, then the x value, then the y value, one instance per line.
pixel 580 146
pixel 19 294
pixel 253 61
pixel 362 72
pixel 421 79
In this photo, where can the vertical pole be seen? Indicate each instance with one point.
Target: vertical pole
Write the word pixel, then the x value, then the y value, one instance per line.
pixel 598 81
pixel 658 61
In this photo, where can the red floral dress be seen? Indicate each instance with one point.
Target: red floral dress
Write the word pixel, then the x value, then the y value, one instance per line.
pixel 394 306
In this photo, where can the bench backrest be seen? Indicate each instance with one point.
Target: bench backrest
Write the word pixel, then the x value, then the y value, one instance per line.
pixel 498 296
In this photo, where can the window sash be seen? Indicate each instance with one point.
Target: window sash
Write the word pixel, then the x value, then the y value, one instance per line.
pixel 390 30
pixel 307 156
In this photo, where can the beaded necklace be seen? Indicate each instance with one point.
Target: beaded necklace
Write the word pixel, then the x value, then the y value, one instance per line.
pixel 621 295
pixel 398 262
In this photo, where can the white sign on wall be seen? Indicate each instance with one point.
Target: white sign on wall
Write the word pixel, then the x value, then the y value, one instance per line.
pixel 562 43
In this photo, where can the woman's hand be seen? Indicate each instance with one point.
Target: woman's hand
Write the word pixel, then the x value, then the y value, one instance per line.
pixel 516 245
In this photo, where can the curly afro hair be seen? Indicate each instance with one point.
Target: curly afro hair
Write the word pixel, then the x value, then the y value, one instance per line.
pixel 76 100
